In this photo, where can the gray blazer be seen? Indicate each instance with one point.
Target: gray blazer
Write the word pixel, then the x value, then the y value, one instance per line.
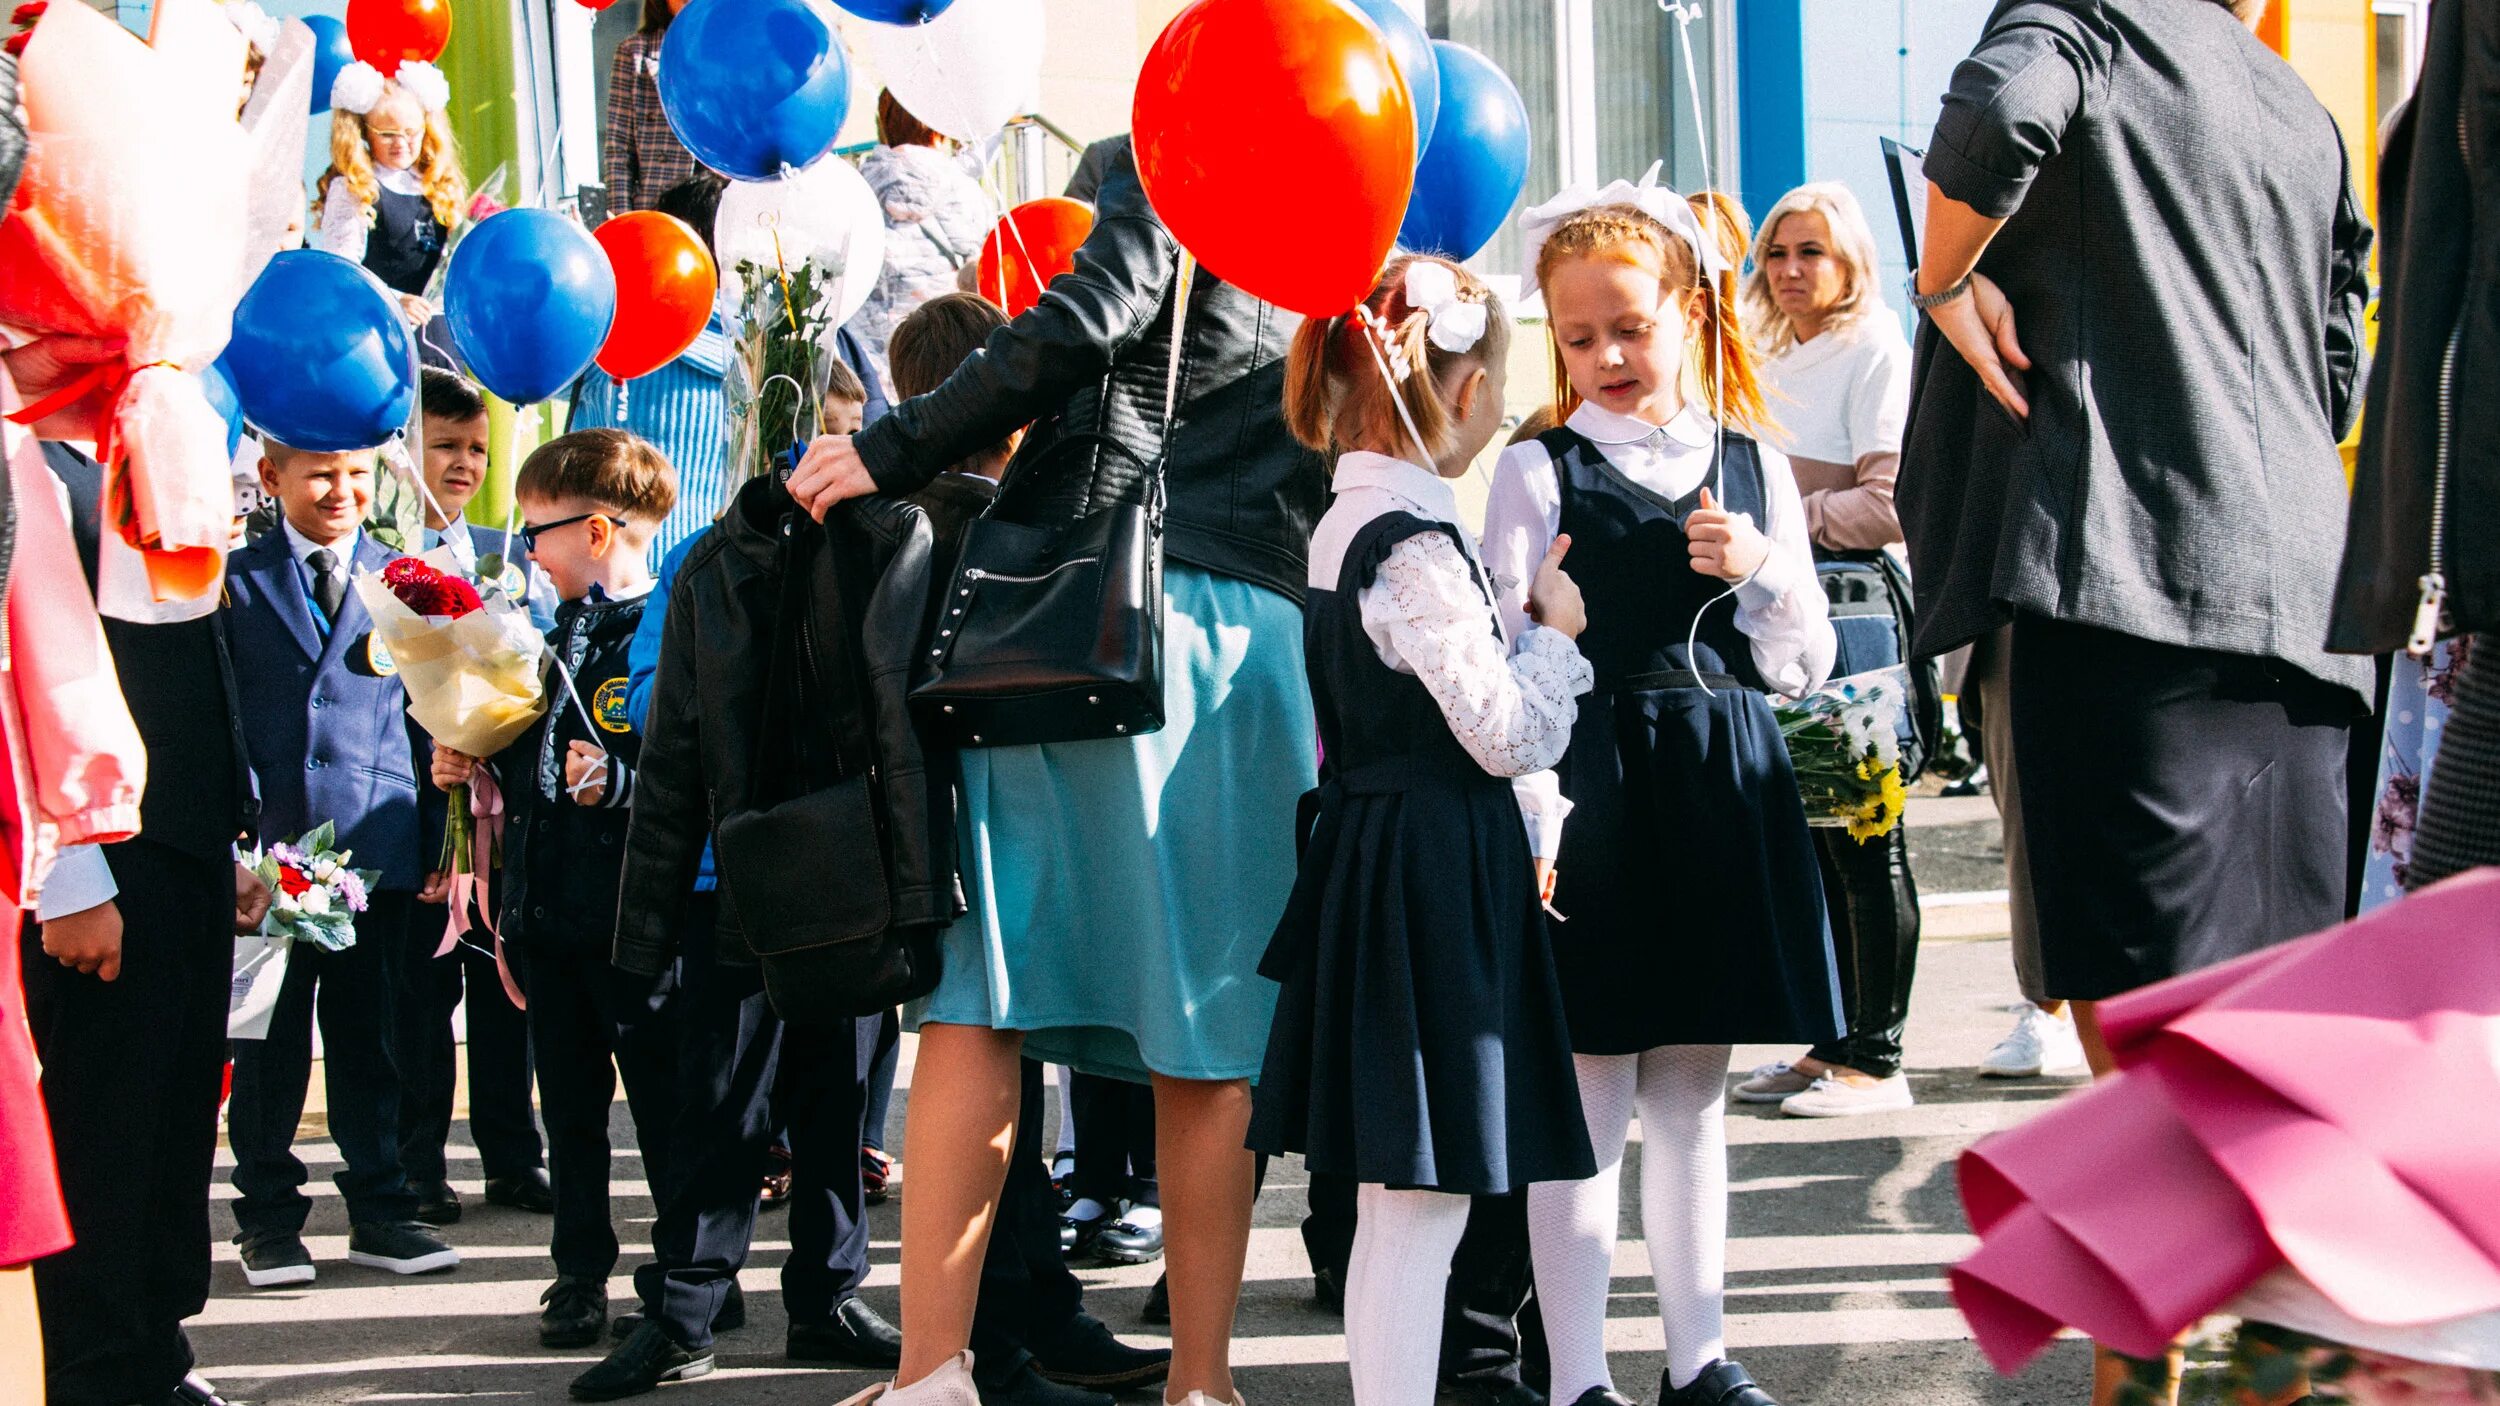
pixel 2187 268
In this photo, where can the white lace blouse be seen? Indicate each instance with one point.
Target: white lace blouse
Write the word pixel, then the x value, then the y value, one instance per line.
pixel 1511 705
pixel 345 222
pixel 1781 610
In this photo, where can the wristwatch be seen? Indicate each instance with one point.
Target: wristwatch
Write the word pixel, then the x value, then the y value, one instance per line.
pixel 1926 302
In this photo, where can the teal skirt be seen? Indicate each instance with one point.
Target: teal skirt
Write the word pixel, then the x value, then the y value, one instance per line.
pixel 1123 892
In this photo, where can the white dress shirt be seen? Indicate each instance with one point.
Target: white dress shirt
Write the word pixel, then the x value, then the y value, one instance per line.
pixel 80 880
pixel 1509 697
pixel 1781 610
pixel 345 222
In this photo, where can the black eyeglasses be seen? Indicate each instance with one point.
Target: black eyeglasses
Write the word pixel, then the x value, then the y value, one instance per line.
pixel 531 533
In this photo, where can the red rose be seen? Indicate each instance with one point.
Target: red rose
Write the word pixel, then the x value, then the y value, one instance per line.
pixel 462 596
pixel 429 592
pixel 292 881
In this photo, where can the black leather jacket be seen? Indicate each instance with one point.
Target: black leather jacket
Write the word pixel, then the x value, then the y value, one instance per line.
pixel 1092 357
pixel 868 594
pixel 2438 365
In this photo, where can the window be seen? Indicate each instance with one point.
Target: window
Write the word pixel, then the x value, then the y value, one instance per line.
pixel 2398 36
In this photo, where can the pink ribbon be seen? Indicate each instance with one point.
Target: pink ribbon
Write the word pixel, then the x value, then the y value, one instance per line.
pixel 467 888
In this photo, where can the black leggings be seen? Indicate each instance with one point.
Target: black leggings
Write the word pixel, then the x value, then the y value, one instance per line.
pixel 1874 907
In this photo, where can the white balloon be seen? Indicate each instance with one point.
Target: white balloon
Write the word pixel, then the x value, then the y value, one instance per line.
pixel 826 213
pixel 968 72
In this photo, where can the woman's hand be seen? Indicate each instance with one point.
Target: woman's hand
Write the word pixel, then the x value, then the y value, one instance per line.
pixel 1724 544
pixel 1981 327
pixel 415 310
pixel 1553 597
pixel 830 472
pixel 452 768
pixel 585 772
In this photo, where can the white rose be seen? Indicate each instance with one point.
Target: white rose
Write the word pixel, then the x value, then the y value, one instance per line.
pixel 325 871
pixel 314 901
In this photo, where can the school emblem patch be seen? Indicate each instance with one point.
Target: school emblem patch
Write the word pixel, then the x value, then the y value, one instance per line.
pixel 607 705
pixel 378 656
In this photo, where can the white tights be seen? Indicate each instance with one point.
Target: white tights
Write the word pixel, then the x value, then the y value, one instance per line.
pixel 1680 1092
pixel 1396 1281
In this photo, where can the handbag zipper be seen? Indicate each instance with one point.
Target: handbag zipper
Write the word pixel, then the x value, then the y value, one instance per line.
pixel 974 573
pixel 2434 583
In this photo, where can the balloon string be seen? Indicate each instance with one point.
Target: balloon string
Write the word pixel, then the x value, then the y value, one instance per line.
pixel 1685 13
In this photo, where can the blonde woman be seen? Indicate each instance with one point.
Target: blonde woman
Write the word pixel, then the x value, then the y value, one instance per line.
pixel 394 188
pixel 1838 370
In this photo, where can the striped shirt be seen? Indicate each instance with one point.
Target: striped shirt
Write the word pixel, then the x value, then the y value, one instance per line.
pixel 639 156
pixel 683 410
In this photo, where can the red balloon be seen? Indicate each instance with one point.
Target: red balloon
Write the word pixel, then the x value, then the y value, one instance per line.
pixel 387 33
pixel 1034 244
pixel 594 4
pixel 1276 138
pixel 665 283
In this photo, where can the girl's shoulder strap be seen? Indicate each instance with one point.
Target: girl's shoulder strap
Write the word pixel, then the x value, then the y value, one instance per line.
pixel 1561 441
pixel 1741 476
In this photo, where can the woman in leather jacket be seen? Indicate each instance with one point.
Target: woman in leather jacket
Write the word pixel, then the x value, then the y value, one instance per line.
pixel 1122 891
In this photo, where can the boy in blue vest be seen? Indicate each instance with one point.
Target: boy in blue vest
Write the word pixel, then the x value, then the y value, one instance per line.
pixel 329 740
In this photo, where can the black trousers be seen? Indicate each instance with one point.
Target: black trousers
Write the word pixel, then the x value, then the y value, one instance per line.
pixel 593 1025
pixel 131 1075
pixel 2181 806
pixel 881 1076
pixel 354 993
pixel 500 1122
pixel 1115 1141
pixel 740 1070
pixel 1490 1328
pixel 1873 902
pixel 1027 1293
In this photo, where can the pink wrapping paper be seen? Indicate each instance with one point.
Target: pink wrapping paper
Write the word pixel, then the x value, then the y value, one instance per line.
pixel 131 222
pixel 2332 1105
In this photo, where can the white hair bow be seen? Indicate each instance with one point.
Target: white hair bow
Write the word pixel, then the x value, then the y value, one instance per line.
pixel 1455 324
pixel 1660 203
pixel 360 86
pixel 253 23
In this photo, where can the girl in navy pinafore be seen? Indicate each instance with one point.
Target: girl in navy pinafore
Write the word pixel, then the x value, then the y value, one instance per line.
pixel 1693 897
pixel 1419 1046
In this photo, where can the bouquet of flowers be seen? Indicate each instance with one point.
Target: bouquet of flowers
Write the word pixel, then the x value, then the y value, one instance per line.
pixel 778 366
pixel 471 661
pixel 314 896
pixel 132 222
pixel 1844 741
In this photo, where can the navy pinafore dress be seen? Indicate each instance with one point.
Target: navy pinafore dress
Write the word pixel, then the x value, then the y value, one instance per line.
pixel 1688 878
pixel 401 249
pixel 1419 1040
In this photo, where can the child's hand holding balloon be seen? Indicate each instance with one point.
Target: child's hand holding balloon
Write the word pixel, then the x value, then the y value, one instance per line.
pixel 1724 544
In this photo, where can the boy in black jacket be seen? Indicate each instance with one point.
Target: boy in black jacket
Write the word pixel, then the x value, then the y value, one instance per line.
pixel 589 503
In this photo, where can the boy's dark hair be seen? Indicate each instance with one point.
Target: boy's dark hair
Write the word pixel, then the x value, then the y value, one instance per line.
pixel 448 395
pixel 696 200
pixel 842 383
pixel 611 467
pixel 939 335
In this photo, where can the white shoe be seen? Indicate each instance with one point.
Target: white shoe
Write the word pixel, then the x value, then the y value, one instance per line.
pixel 1200 1398
pixel 1772 1083
pixel 950 1385
pixel 1838 1098
pixel 2039 1043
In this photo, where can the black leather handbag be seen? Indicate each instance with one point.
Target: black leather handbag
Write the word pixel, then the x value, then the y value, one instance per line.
pixel 1055 633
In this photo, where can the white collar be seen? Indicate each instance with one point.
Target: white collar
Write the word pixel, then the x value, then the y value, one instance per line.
pixel 457 532
pixel 1421 488
pixel 302 546
pixel 1690 428
pixel 401 180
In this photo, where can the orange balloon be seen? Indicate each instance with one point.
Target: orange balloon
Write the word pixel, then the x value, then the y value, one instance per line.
pixel 1276 138
pixel 1034 244
pixel 665 284
pixel 387 33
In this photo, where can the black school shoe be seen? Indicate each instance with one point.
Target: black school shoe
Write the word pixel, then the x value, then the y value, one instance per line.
pixel 438 1204
pixel 1328 1291
pixel 1492 1393
pixel 1158 1310
pixel 854 1336
pixel 640 1364
pixel 400 1247
pixel 274 1261
pixel 1027 1387
pixel 1126 1242
pixel 732 1316
pixel 523 1191
pixel 1722 1383
pixel 1083 1353
pixel 1604 1396
pixel 576 1314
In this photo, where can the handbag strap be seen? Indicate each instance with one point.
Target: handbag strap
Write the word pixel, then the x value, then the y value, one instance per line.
pixel 1183 283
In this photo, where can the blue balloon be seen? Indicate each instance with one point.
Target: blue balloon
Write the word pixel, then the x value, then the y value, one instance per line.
pixel 896 11
pixel 529 296
pixel 320 357
pixel 217 383
pixel 331 52
pixel 752 86
pixel 1411 49
pixel 1478 161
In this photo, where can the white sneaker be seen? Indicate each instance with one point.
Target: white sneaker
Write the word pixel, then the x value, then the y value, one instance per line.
pixel 1837 1098
pixel 2039 1043
pixel 1772 1083
pixel 950 1385
pixel 1200 1398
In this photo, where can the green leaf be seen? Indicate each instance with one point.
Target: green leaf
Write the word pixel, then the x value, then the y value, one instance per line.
pixel 319 838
